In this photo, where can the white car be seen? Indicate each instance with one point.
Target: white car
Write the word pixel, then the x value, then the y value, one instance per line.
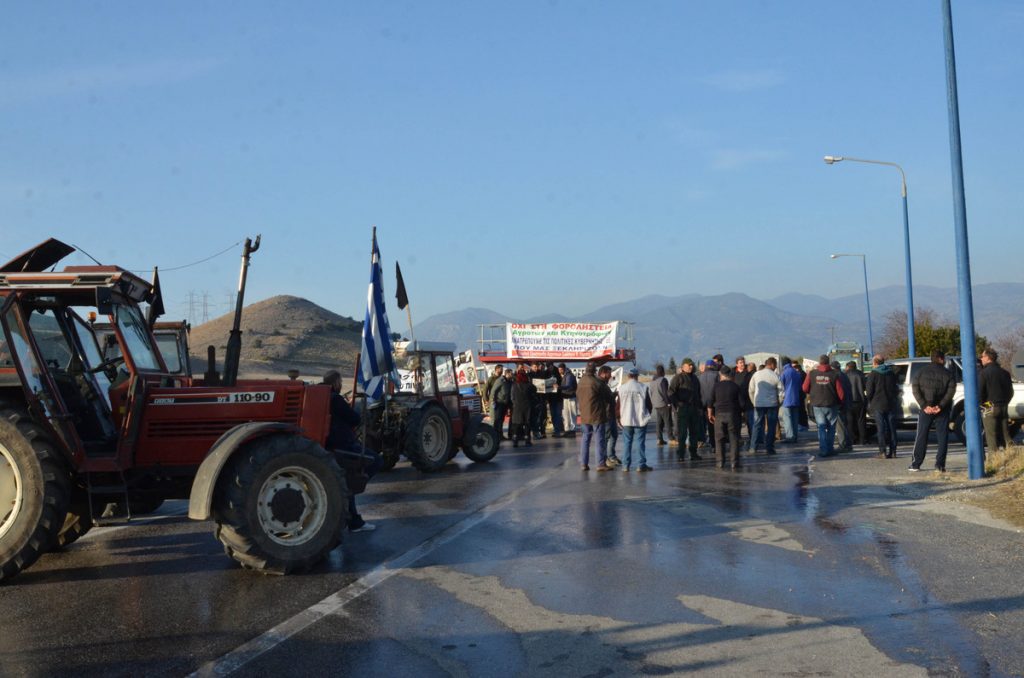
pixel 907 370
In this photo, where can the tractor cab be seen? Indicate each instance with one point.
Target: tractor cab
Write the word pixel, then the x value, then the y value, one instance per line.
pixel 52 352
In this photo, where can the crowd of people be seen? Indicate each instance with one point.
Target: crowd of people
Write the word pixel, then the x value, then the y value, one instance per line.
pixel 709 406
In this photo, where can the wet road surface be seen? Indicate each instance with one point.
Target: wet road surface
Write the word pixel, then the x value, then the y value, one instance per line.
pixel 529 566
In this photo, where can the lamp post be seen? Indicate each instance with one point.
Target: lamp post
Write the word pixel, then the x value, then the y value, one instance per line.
pixel 972 416
pixel 831 160
pixel 867 296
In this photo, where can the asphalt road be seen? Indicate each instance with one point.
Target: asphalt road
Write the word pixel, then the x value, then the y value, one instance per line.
pixel 529 566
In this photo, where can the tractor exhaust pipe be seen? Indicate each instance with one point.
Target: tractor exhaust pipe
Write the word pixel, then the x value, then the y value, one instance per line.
pixel 234 350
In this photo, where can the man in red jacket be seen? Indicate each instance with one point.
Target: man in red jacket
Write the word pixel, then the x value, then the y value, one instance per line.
pixel 825 393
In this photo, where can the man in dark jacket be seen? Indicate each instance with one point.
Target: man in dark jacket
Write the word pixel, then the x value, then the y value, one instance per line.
pixel 724 413
pixel 856 422
pixel 883 400
pixel 567 389
pixel 496 371
pixel 660 402
pixel 501 400
pixel 995 390
pixel 351 454
pixel 742 379
pixel 933 389
pixel 684 392
pixel 592 397
pixel 825 394
pixel 844 438
pixel 708 378
pixel 611 421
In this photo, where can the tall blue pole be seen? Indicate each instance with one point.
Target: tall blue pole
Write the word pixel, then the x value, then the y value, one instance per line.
pixel 972 419
pixel 911 344
pixel 867 300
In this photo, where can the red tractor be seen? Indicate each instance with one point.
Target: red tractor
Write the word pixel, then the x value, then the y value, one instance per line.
pixel 79 431
pixel 426 418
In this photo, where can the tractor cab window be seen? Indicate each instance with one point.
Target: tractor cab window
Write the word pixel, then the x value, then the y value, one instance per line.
pixel 445 374
pixel 137 338
pixel 168 345
pixel 71 370
pixel 53 345
pixel 414 370
pixel 22 352
pixel 93 358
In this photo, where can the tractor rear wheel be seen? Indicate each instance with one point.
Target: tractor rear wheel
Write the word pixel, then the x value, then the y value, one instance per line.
pixel 428 437
pixel 35 488
pixel 481 443
pixel 281 504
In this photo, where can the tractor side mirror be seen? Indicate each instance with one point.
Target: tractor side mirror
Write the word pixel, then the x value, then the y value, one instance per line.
pixel 104 301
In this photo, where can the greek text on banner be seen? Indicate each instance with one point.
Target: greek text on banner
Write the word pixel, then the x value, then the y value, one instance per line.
pixel 560 341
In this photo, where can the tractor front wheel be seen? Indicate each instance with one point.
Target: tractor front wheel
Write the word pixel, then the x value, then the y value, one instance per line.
pixel 428 437
pixel 481 443
pixel 35 489
pixel 281 504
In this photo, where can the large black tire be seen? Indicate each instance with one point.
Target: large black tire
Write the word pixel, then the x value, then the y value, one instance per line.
pixel 35 488
pixel 480 443
pixel 428 437
pixel 281 504
pixel 956 426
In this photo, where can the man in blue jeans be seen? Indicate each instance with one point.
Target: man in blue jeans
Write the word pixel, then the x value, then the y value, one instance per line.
pixel 766 392
pixel 825 393
pixel 791 384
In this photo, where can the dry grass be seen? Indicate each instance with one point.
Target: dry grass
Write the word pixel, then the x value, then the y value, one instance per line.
pixel 1002 490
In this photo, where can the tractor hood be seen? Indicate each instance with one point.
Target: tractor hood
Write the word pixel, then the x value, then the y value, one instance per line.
pixel 39 258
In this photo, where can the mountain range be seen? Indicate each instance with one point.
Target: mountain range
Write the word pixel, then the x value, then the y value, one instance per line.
pixel 285 332
pixel 734 324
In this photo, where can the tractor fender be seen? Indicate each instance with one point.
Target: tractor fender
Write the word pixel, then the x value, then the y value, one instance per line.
pixel 200 499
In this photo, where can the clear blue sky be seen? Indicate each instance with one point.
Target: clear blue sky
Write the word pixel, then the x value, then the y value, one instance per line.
pixel 528 157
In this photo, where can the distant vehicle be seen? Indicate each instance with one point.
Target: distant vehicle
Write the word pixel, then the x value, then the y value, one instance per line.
pixel 845 351
pixel 428 419
pixel 907 370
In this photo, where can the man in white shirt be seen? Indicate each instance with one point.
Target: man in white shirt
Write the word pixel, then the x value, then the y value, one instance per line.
pixel 766 393
pixel 634 413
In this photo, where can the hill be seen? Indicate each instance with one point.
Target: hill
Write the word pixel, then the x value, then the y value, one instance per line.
pixel 282 333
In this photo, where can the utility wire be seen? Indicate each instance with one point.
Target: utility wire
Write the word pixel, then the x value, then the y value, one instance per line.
pixel 194 263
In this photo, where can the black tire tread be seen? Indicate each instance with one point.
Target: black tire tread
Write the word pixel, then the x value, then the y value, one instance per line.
pixel 414 432
pixel 238 479
pixel 467 443
pixel 56 495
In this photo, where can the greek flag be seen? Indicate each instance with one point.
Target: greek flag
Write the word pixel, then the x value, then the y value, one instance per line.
pixel 376 364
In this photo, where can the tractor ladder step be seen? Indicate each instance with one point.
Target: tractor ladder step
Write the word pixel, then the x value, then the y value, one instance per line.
pixel 118 493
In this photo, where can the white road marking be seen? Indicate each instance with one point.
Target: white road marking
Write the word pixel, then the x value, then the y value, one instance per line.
pixel 336 602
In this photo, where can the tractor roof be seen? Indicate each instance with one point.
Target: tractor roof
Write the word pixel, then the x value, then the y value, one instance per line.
pixel 27 272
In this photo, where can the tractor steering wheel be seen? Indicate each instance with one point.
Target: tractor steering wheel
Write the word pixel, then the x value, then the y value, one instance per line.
pixel 107 365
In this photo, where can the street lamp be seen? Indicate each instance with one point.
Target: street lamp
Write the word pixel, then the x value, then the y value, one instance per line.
pixel 867 296
pixel 833 159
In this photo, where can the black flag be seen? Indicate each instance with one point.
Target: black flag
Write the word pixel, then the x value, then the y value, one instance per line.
pixel 400 294
pixel 156 300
